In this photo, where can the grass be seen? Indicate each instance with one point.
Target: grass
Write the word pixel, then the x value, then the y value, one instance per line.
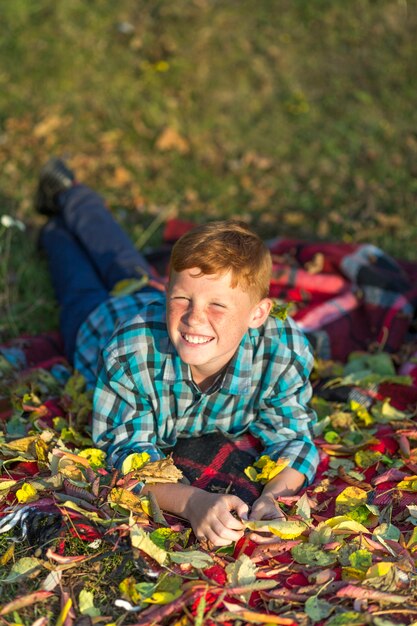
pixel 298 116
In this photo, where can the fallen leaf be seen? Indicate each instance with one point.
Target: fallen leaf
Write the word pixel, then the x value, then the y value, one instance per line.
pixel 24 601
pixel 241 572
pixel 170 139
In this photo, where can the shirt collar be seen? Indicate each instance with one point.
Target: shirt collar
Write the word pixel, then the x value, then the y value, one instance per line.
pixel 238 375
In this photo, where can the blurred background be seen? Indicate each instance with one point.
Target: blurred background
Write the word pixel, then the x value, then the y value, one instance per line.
pixel 298 116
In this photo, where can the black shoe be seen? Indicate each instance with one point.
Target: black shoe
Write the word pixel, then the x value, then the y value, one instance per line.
pixel 55 177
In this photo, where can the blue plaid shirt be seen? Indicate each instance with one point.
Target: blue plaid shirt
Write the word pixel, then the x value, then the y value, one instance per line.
pixel 145 397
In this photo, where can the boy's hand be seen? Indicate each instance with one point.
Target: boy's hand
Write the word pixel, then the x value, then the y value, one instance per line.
pixel 211 517
pixel 265 507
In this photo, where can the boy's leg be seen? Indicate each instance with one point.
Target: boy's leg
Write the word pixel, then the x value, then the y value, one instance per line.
pixel 111 251
pixel 77 286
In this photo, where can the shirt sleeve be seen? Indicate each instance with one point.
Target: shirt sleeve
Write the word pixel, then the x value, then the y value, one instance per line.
pixel 285 421
pixel 123 418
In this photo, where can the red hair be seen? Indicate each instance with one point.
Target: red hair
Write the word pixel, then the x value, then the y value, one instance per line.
pixel 219 247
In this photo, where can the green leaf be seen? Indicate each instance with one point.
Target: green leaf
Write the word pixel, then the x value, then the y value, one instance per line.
pixel 241 572
pixel 166 538
pixel 309 554
pixel 26 567
pixel 387 531
pixel 317 609
pixel 359 514
pixel 303 508
pixel 332 437
pixel 195 558
pixel 201 609
pixel 320 536
pixel 140 539
pixel 349 618
pixel 280 310
pixel 16 426
pixel 361 559
pixel 380 363
pixel 86 604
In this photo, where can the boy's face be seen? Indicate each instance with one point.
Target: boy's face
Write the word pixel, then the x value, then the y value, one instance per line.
pixel 207 319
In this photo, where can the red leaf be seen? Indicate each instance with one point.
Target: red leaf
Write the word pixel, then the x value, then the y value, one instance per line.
pixel 26 600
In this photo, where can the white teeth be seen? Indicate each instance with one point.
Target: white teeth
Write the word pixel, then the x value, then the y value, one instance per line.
pixel 195 339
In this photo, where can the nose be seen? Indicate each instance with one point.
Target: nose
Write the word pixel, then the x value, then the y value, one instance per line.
pixel 195 314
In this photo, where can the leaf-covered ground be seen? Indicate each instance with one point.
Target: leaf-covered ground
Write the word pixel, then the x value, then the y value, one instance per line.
pixel 79 547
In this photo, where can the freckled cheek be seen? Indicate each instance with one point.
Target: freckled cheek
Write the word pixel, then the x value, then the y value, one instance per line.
pixel 175 310
pixel 216 316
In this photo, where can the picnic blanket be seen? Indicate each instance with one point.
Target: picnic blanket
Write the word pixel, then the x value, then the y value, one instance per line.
pixel 358 307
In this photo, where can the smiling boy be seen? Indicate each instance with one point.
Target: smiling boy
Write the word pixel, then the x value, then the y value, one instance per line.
pixel 211 360
pixel 206 357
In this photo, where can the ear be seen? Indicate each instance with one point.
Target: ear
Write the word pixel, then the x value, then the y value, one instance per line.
pixel 260 313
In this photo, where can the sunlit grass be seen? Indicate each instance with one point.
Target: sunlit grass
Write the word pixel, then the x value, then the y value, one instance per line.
pixel 298 116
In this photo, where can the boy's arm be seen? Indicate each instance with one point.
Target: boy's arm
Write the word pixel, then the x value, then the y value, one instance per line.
pixel 285 426
pixel 123 419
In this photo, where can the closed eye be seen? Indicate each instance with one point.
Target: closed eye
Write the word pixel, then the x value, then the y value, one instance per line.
pixel 222 306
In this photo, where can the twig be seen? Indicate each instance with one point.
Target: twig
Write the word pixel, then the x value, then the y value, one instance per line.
pixel 157 514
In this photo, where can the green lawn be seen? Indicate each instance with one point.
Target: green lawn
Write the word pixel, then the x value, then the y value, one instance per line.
pixel 299 116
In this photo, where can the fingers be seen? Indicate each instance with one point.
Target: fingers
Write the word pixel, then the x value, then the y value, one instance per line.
pixel 265 508
pixel 218 524
pixel 242 509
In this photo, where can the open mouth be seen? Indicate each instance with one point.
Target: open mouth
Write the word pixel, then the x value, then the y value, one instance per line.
pixel 196 339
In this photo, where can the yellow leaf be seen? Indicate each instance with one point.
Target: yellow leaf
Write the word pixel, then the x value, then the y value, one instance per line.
pixel 352 573
pixel 413 540
pixel 146 505
pixel 135 461
pixel 282 528
pixel 89 514
pixel 22 445
pixel 408 484
pixel 161 66
pixel 269 469
pixel 379 569
pixel 350 498
pixel 128 589
pixel 95 457
pixel 64 613
pixel 128 500
pixel 366 458
pixel 129 285
pixel 161 471
pixel 26 493
pixel 163 597
pixel 6 484
pixel 8 555
pixel 341 524
pixel 362 413
pixel 69 469
pixel 251 473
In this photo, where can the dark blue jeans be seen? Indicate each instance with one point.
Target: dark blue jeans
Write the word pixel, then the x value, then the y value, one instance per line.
pixel 88 253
